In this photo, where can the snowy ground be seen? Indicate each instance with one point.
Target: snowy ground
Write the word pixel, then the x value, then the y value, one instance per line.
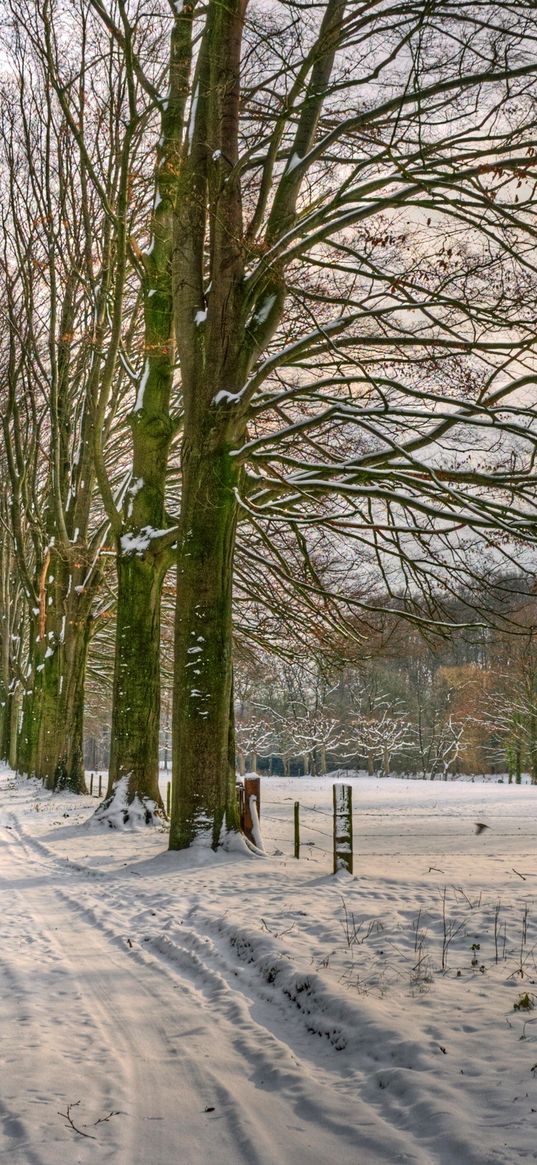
pixel 262 1011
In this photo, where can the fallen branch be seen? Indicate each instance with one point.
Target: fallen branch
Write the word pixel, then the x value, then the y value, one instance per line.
pixel 80 1131
pixel 71 1122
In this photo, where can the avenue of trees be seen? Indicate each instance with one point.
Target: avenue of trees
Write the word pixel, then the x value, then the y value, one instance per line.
pixel 268 351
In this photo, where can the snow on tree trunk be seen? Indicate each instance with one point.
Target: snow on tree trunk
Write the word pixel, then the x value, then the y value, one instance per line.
pixel 204 802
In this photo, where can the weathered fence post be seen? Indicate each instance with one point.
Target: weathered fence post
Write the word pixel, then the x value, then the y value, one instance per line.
pixel 297 829
pixel 91 784
pixel 100 784
pixel 343 828
pixel 168 797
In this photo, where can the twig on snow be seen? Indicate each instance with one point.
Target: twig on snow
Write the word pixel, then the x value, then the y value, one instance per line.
pixel 80 1131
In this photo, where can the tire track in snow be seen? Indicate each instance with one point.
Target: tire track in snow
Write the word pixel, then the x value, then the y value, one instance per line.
pixel 203 1029
pixel 58 1050
pixel 157 1083
pixel 236 1108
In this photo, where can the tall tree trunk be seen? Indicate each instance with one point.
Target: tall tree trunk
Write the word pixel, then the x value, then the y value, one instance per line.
pixel 136 707
pixel 61 758
pixel 55 723
pixel 518 764
pixel 203 792
pixel 5 723
pixel 46 694
pixel 30 714
pixel 14 711
pixel 141 565
pixel 222 327
pixel 26 736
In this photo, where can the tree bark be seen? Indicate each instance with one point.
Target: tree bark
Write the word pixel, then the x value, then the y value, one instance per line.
pixel 61 754
pixel 140 572
pixel 136 708
pixel 203 792
pixel 14 709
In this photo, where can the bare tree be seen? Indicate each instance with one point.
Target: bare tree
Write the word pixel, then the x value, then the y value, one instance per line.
pixel 343 230
pixel 336 362
pixel 103 108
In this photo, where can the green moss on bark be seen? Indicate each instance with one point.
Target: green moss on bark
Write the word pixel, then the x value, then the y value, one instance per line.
pixel 136 720
pixel 203 794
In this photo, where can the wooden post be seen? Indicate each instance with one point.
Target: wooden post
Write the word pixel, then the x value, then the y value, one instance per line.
pixel 168 797
pixel 297 829
pixel 91 784
pixel 100 784
pixel 252 788
pixel 342 828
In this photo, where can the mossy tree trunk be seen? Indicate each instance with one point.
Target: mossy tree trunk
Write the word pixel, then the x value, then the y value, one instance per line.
pixel 50 741
pixel 224 320
pixel 61 752
pixel 14 711
pixel 208 253
pixel 28 734
pixel 143 544
pixel 136 702
pixel 142 530
pixel 59 668
pixel 204 797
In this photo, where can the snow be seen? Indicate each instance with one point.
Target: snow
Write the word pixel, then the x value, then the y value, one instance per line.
pixel 262 315
pixel 256 824
pixel 139 403
pixel 136 486
pixel 200 317
pixel 225 397
pixel 138 543
pixel 265 1011
pixel 192 118
pixel 294 161
pixel 116 813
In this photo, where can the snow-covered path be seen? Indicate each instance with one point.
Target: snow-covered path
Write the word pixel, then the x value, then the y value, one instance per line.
pixel 96 1023
pixel 232 1010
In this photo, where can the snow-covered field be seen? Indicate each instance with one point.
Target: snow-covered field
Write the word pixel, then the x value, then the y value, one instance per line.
pixel 166 1008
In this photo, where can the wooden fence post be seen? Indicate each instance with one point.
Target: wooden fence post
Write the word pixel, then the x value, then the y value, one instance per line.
pixel 91 784
pixel 297 829
pixel 168 797
pixel 100 784
pixel 343 828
